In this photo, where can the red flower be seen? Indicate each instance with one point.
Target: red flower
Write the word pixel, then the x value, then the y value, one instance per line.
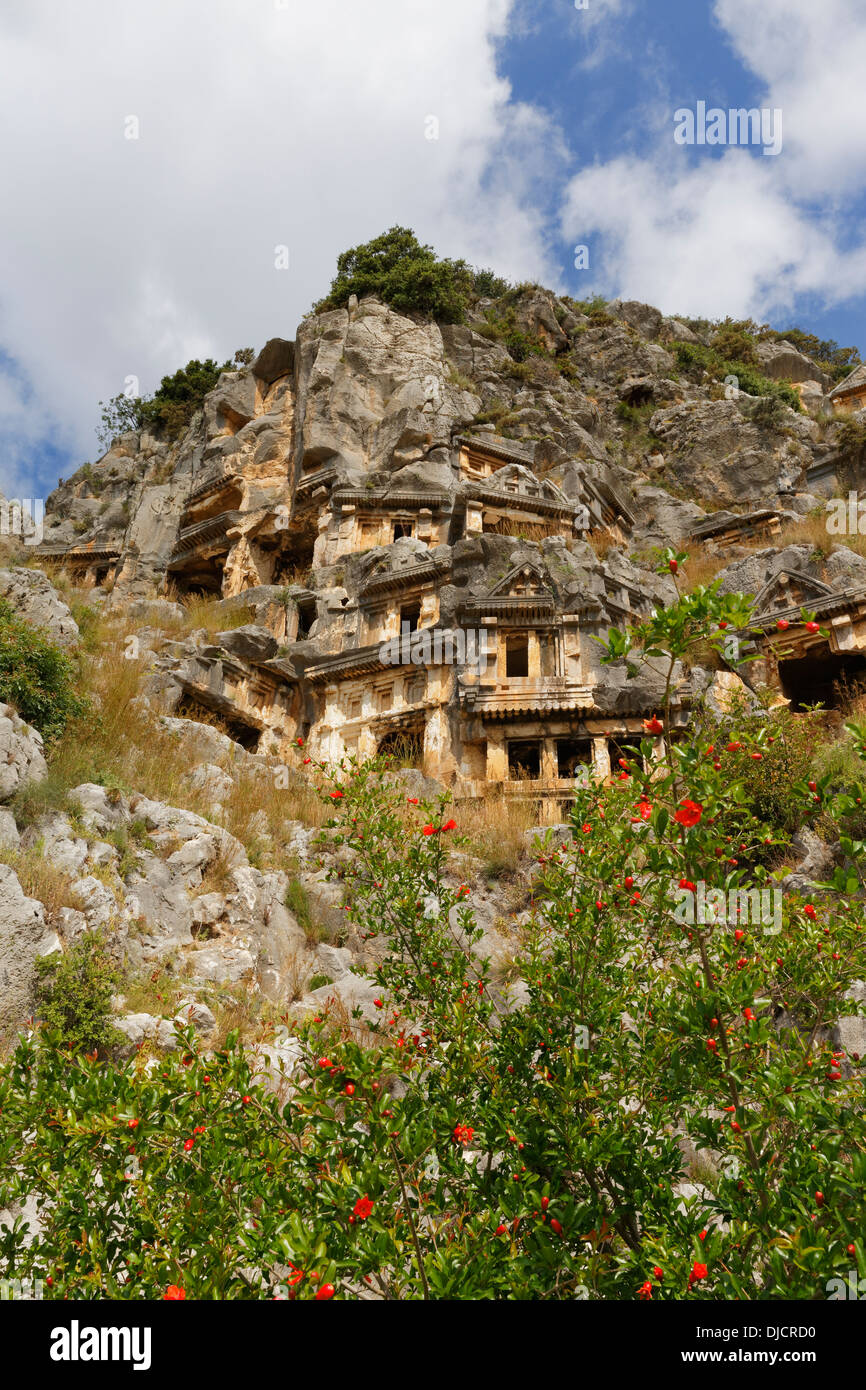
pixel 463 1134
pixel 687 883
pixel 654 726
pixel 335 796
pixel 645 810
pixel 174 1292
pixel 699 1272
pixel 299 742
pixel 362 1208
pixel 689 813
pixel 810 911
pixel 450 825
pixel 645 1290
pixel 733 747
pixel 659 1273
pixel 500 1230
pixel 412 800
pixel 189 1145
pixel 428 830
pixel 132 1124
pixel 307 760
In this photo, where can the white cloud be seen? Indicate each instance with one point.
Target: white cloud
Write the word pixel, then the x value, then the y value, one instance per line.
pixel 259 126
pixel 812 58
pixel 740 234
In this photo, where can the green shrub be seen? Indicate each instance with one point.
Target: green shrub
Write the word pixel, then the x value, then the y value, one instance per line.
pixel 74 995
pixel 851 444
pixel 401 272
pixel 298 902
pixel 733 341
pixel 768 412
pixel 489 285
pixel 695 358
pixel 448 1148
pixel 770 784
pixel 181 395
pixel 36 677
pixel 171 407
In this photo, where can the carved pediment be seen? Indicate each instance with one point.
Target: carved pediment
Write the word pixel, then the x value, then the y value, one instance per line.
pixel 522 482
pixel 790 589
pixel 523 581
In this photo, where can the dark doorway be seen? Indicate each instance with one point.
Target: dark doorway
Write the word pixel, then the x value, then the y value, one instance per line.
pixel 524 758
pixel 410 613
pixel 827 678
pixel 517 654
pixel 247 735
pixel 573 756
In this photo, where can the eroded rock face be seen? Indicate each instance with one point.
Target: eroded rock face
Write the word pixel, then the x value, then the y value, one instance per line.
pixel 716 452
pixel 21 754
pixel 783 362
pixel 35 599
pixel 374 391
pixel 24 938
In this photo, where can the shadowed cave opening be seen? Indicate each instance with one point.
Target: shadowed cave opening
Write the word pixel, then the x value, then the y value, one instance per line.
pixel 826 679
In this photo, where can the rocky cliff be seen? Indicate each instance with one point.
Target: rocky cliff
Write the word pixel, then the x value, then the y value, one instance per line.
pixel 377 479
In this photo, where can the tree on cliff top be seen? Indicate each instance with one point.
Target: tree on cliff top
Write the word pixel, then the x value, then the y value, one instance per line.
pixel 410 277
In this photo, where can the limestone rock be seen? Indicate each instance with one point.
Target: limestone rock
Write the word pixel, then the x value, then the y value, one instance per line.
pixel 141 1029
pixel 24 937
pixel 276 359
pixel 783 362
pixel 250 643
pixel 643 317
pixel 35 599
pixel 21 755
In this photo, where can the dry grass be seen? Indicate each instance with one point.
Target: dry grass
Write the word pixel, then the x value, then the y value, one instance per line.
pixel 524 530
pixel 41 879
pixel 602 543
pixel 121 745
pixel 202 714
pixel 153 992
pixel 217 877
pixel 705 563
pixel 702 566
pixel 257 809
pixel 207 613
pixel 498 825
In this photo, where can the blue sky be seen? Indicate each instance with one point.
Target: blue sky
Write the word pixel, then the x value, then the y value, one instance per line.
pixel 260 124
